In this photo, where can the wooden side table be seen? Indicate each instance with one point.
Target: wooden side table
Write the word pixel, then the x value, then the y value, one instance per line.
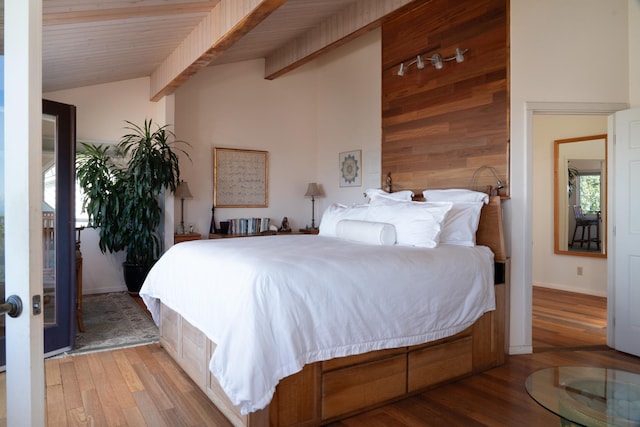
pixel 309 231
pixel 179 238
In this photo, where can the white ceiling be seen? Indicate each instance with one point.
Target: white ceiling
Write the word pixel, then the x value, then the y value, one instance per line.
pixel 87 42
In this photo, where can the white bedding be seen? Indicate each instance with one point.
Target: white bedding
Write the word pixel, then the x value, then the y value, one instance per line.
pixel 274 303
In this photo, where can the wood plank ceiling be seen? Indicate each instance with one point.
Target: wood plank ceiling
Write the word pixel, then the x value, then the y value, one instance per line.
pixel 87 42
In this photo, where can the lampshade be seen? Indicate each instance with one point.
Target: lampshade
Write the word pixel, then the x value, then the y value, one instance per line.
pixel 313 190
pixel 182 191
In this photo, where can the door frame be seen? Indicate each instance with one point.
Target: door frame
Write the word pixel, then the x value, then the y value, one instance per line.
pixel 551 108
pixel 23 209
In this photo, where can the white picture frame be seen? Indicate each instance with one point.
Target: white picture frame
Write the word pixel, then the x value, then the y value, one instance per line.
pixel 350 168
pixel 240 178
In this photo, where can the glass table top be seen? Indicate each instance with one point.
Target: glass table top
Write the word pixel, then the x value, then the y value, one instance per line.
pixel 588 396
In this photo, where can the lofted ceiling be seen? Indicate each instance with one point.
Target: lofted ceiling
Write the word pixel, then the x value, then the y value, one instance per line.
pixel 87 42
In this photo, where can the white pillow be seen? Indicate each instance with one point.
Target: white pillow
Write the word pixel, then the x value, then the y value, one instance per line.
pixel 374 233
pixel 416 223
pixel 398 195
pixel 461 224
pixel 336 212
pixel 455 195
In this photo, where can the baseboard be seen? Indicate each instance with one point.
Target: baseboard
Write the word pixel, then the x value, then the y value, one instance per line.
pixel 569 288
pixel 105 290
pixel 520 349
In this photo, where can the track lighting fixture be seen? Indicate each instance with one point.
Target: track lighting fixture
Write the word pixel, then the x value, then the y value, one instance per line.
pixel 436 60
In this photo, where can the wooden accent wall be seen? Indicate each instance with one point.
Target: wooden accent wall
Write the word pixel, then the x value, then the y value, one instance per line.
pixel 440 126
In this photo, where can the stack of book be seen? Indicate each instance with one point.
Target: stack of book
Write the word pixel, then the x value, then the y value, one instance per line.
pixel 248 225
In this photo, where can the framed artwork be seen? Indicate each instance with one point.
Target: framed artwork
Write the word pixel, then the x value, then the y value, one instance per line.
pixel 240 178
pixel 350 168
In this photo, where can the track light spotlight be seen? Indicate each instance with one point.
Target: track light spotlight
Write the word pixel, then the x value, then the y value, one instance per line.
pixel 460 54
pixel 436 61
pixel 401 70
pixel 419 62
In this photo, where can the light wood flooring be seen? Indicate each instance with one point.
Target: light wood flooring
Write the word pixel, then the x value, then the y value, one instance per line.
pixel 568 320
pixel 142 386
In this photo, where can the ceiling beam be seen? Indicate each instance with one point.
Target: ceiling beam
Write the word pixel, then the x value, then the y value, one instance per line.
pixel 344 26
pixel 81 16
pixel 227 23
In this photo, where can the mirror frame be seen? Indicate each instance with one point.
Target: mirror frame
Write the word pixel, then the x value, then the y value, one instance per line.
pixel 556 193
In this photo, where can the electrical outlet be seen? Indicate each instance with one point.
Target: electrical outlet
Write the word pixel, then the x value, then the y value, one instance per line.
pixel 579 270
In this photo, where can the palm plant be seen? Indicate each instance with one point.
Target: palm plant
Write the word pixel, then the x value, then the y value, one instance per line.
pixel 122 185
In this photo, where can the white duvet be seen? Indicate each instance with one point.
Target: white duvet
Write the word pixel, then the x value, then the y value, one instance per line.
pixel 274 303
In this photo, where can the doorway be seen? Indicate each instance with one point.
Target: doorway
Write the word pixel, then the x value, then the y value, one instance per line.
pixel 563 283
pixel 58 242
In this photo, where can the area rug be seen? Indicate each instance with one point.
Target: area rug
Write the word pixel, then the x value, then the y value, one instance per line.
pixel 111 321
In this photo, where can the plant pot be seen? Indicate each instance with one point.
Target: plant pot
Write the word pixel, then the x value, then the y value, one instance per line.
pixel 134 275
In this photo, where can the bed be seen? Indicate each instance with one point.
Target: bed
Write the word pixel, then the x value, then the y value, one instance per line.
pixel 309 353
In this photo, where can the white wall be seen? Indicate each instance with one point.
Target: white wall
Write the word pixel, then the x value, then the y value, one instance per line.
pixel 570 51
pixel 349 115
pixel 304 119
pixel 233 106
pixel 103 109
pixel 551 270
pixel 101 112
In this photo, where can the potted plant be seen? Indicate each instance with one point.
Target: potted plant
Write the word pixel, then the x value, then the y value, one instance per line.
pixel 122 185
pixel 572 174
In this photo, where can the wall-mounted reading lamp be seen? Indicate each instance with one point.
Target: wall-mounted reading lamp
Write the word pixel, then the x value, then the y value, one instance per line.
pixel 436 60
pixel 474 178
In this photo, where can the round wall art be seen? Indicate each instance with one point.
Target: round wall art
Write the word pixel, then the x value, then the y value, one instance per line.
pixel 350 168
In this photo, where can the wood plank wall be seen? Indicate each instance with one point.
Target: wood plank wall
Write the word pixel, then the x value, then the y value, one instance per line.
pixel 440 126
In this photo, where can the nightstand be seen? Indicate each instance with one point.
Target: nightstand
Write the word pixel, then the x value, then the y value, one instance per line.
pixel 179 238
pixel 309 231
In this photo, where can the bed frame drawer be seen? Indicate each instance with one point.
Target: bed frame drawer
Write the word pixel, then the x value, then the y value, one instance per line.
pixel 170 330
pixel 346 390
pixel 194 354
pixel 341 362
pixel 186 344
pixel 432 365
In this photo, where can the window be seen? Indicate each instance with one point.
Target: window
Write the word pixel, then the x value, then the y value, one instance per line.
pixel 81 217
pixel 589 192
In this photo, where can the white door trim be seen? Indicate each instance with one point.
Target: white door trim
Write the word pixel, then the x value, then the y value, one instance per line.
pixel 23 209
pixel 532 108
pixel 623 267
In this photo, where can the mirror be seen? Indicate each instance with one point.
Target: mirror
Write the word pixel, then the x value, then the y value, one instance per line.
pixel 580 202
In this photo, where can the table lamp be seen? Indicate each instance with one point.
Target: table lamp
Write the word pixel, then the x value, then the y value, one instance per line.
pixel 313 191
pixel 182 192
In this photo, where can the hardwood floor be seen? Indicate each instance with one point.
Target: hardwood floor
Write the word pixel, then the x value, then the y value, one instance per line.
pixel 142 386
pixel 138 386
pixel 568 320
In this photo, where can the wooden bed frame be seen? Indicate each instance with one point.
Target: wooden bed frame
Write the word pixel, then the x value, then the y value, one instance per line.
pixel 330 390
